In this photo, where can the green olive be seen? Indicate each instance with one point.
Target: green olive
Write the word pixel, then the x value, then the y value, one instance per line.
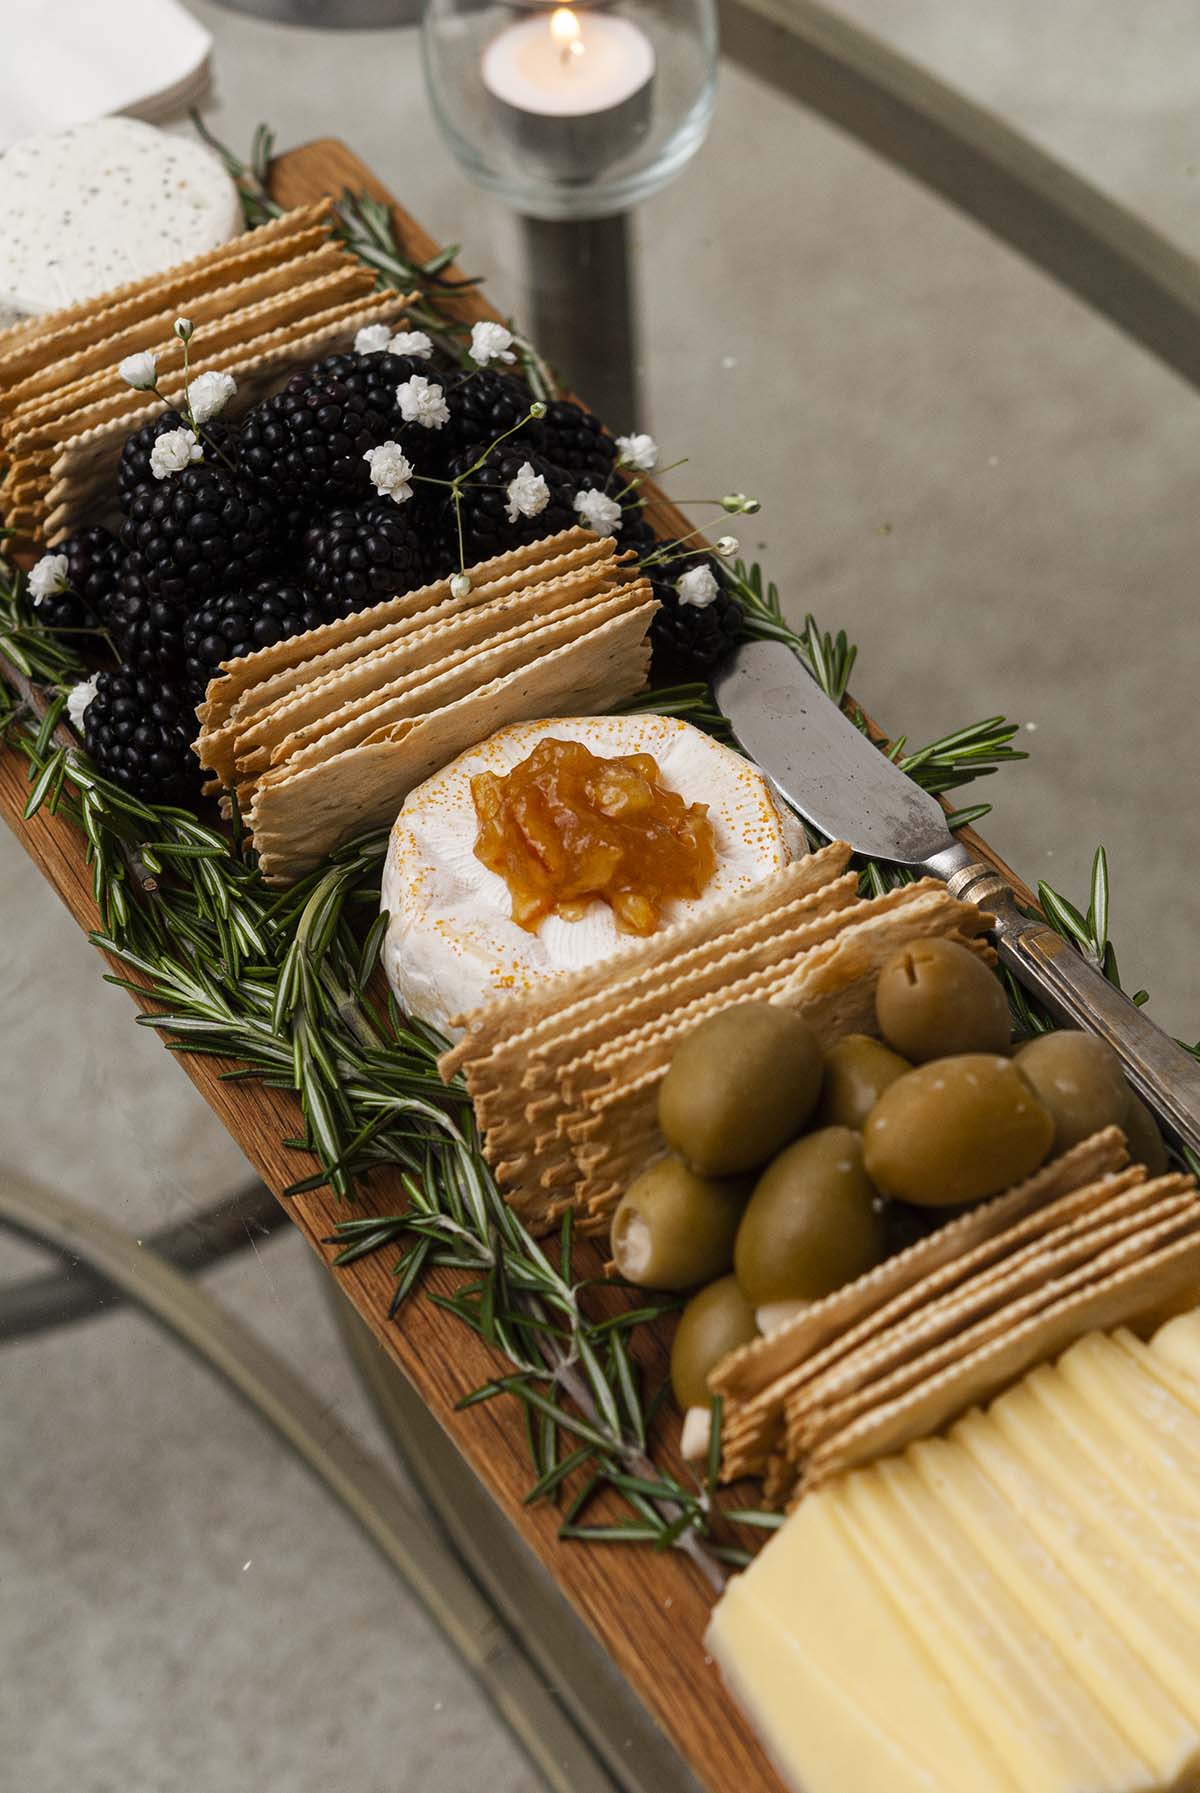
pixel 673 1229
pixel 935 999
pixel 739 1087
pixel 1078 1077
pixel 1145 1141
pixel 714 1322
pixel 812 1223
pixel 857 1071
pixel 956 1130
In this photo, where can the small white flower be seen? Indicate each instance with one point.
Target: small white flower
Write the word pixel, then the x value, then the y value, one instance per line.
pixel 208 394
pixel 372 339
pixel 139 371
pixel 184 328
pixel 47 577
pixel 528 493
pixel 172 452
pixel 391 471
pixel 491 342
pixel 460 585
pixel 411 342
pixel 601 513
pixel 422 401
pixel 639 452
pixel 698 587
pixel 78 699
pixel 727 546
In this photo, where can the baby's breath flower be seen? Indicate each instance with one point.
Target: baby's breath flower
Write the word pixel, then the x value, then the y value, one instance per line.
pixel 638 452
pixel 537 409
pixel 184 328
pixel 422 401
pixel 208 394
pixel 173 451
pixel 391 471
pixel 739 505
pixel 139 371
pixel 727 546
pixel 599 512
pixel 78 699
pixel 491 342
pixel 528 494
pixel 372 339
pixel 698 587
pixel 48 576
pixel 411 342
pixel 460 585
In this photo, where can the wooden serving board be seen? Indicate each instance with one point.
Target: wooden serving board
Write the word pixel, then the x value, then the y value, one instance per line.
pixel 649 1611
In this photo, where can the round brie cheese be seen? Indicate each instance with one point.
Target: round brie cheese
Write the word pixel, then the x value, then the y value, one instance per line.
pixel 104 203
pixel 451 943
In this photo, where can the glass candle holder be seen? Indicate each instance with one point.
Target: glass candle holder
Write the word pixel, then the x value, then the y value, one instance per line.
pixel 571 112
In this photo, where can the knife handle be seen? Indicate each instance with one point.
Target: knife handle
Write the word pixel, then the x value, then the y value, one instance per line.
pixel 1161 1072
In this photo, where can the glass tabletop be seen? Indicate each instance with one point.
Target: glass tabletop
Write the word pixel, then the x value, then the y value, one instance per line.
pixel 984 482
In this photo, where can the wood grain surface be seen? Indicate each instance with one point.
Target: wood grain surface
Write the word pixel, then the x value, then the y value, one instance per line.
pixel 650 1611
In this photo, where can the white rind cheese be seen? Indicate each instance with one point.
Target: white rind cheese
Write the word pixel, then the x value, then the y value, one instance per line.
pixel 104 203
pixel 451 943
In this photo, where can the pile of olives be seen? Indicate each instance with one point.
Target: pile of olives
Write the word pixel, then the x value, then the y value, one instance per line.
pixel 791 1171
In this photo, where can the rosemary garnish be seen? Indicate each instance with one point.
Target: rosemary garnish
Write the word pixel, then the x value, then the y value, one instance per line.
pixel 286 987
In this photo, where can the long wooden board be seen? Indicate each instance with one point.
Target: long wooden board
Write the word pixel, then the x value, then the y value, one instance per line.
pixel 650 1612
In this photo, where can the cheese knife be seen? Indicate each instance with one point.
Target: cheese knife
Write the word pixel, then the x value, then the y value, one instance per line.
pixel 838 780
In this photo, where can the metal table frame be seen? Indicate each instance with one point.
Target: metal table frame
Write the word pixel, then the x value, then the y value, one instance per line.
pixel 581 1725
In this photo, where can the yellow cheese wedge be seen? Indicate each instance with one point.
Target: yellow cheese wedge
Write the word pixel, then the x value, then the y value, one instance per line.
pixel 1097 1654
pixel 1029 1450
pixel 1132 1467
pixel 818 1739
pixel 815 1581
pixel 1047 1728
pixel 1178 1343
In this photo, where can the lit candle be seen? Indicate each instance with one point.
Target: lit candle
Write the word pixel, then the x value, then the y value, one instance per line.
pixel 572 88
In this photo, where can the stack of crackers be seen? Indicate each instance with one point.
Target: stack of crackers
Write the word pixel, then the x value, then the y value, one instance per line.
pixel 285 293
pixel 565 1080
pixel 1089 1241
pixel 323 736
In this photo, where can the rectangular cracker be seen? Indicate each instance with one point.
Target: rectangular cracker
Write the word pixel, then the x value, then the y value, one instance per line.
pixel 60 333
pixel 297 820
pixel 100 356
pixel 83 468
pixel 986 1306
pixel 294 730
pixel 103 396
pixel 275 670
pixel 1142 1285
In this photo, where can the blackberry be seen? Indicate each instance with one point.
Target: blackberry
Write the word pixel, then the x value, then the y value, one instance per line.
pixel 374 377
pixel 94 561
pixel 306 444
pixel 482 406
pixel 577 442
pixel 147 630
pixel 685 636
pixel 139 731
pixel 202 530
pixel 356 557
pixel 242 621
pixel 486 527
pixel 133 469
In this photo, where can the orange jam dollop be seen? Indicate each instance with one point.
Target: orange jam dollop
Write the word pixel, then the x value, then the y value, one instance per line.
pixel 566 827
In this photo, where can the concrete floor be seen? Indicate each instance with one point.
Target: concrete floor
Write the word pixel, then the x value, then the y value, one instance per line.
pixel 987 486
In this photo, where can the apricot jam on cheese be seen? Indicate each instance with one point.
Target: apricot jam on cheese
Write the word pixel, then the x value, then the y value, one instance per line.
pixel 566 827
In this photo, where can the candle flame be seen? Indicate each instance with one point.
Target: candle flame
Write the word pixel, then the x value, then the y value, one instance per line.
pixel 564 29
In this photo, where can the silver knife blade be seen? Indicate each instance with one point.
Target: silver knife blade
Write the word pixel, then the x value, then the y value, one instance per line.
pixel 823 765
